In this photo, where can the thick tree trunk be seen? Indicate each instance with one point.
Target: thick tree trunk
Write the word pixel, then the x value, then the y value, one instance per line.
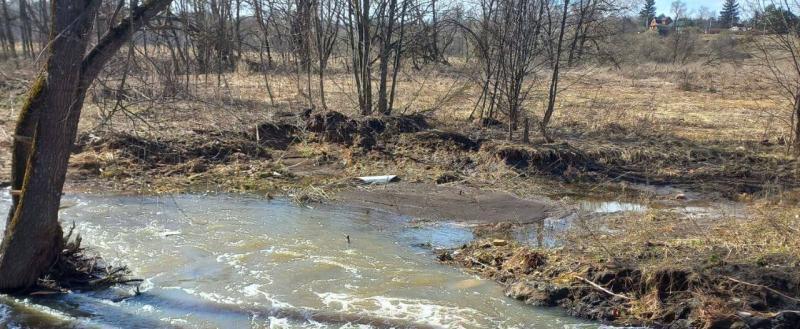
pixel 46 131
pixel 44 135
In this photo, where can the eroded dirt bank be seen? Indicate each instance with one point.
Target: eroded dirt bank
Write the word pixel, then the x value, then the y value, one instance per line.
pixel 626 292
pixel 326 149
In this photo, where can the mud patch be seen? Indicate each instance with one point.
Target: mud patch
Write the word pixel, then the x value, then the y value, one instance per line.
pixel 461 204
pixel 437 140
pixel 276 135
pixel 335 127
pixel 191 153
pixel 558 159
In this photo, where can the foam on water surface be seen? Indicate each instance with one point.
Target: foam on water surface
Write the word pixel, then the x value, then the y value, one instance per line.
pixel 220 261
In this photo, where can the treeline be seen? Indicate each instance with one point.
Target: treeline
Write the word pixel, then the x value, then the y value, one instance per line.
pixel 513 42
pixel 513 50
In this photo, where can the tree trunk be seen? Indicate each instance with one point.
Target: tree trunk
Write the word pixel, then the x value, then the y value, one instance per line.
pixel 25 29
pixel 573 47
pixel 45 134
pixel 435 34
pixel 796 137
pixel 41 149
pixel 366 72
pixel 360 43
pixel 551 102
pixel 9 35
pixel 526 131
pixel 397 53
pixel 383 103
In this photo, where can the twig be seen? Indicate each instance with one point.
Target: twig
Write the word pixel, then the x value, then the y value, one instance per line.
pixel 764 287
pixel 597 286
pixel 476 261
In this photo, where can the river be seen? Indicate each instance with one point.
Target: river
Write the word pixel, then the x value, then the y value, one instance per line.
pixel 230 261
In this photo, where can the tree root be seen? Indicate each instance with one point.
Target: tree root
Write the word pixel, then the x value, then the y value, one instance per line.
pixel 75 269
pixel 598 287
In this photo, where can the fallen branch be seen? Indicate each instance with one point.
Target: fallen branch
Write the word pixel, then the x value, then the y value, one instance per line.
pixel 598 287
pixel 765 287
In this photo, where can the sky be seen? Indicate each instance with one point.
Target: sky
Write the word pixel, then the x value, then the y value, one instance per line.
pixel 663 6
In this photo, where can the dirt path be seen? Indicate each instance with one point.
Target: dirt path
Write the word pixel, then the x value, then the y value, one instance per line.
pixel 463 204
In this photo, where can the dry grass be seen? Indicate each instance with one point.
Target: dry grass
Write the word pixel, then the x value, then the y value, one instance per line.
pixel 764 235
pixel 640 112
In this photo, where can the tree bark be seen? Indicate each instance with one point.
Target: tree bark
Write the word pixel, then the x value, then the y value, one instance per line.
pixel 45 134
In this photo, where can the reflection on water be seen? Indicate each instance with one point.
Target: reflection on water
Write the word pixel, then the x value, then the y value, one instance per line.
pixel 239 262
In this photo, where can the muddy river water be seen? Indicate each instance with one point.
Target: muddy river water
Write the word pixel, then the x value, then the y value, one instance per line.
pixel 223 261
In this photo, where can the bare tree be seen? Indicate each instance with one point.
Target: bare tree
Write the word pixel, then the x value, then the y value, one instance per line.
pixel 779 55
pixel 705 15
pixel 264 47
pixel 551 99
pixel 515 33
pixel 8 34
pixel 46 131
pixel 326 32
pixel 26 29
pixel 359 22
pixel 398 51
pixel 301 38
pixel 387 27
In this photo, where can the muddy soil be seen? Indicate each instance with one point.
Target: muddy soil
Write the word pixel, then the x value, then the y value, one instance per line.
pixel 463 204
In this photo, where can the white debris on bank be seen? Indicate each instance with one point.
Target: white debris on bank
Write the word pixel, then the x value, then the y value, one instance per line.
pixel 376 180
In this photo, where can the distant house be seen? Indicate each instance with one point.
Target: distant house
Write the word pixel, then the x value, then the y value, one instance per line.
pixel 660 24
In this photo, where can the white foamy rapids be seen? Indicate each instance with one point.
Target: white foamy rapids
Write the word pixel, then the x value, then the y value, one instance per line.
pixel 236 262
pixel 11 306
pixel 273 250
pixel 330 261
pixel 412 310
pixel 6 320
pixel 209 296
pixel 283 323
pixel 254 290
